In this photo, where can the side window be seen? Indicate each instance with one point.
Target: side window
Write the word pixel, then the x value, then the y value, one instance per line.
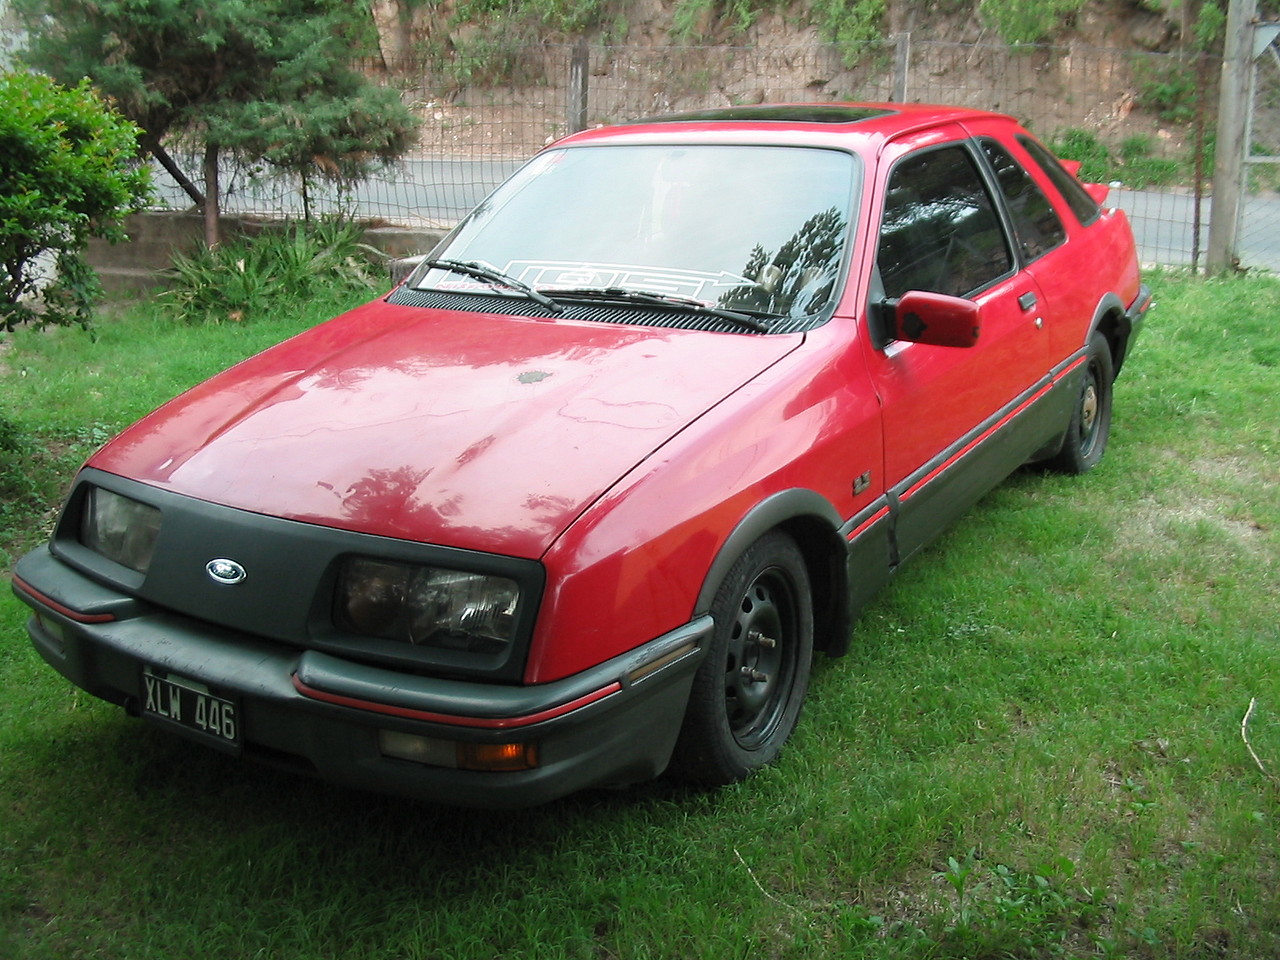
pixel 940 231
pixel 1036 223
pixel 1082 205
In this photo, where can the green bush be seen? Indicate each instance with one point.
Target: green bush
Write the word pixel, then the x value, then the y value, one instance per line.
pixel 247 278
pixel 68 172
pixel 499 39
pixel 1134 162
pixel 1140 166
pixel 1095 160
pixel 850 26
pixel 1168 88
pixel 1021 22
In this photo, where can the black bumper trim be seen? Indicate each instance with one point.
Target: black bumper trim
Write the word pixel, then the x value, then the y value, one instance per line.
pixel 585 737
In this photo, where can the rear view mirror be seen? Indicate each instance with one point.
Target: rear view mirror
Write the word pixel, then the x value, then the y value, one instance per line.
pixel 937 319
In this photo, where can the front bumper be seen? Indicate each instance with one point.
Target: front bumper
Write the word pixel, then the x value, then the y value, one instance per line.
pixel 311 711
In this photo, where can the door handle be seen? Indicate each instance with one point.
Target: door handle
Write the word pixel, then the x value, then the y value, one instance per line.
pixel 1027 301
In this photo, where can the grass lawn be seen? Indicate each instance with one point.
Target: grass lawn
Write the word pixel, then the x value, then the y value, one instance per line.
pixel 1036 747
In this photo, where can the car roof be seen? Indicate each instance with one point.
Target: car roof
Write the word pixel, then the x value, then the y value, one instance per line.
pixel 812 123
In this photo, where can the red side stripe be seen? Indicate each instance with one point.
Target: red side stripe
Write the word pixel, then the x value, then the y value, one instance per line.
pixel 59 608
pixel 968 448
pixel 868 523
pixel 489 723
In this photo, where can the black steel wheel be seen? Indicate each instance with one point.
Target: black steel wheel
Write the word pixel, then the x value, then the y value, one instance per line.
pixel 748 691
pixel 1090 424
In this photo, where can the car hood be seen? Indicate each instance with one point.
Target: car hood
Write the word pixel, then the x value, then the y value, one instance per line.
pixel 472 430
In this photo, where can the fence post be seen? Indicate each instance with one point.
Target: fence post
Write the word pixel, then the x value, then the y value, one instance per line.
pixel 1232 143
pixel 901 64
pixel 579 68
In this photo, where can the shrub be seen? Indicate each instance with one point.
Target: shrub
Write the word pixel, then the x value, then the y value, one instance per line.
pixel 67 173
pixel 1135 162
pixel 1022 22
pixel 1141 166
pixel 246 278
pixel 1095 161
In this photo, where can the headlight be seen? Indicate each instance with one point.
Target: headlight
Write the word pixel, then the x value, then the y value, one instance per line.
pixel 120 529
pixel 431 606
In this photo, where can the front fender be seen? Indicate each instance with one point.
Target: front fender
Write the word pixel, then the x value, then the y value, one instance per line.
pixel 774 511
pixel 815 525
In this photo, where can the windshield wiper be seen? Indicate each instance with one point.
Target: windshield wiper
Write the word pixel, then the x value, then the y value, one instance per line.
pixel 622 295
pixel 496 277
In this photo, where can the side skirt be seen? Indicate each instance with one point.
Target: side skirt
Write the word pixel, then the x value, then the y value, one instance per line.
pixel 917 510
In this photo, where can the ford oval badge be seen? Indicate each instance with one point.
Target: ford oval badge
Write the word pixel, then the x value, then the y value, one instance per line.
pixel 225 571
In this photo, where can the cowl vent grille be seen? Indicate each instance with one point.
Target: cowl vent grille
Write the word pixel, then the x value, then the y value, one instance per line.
pixel 643 316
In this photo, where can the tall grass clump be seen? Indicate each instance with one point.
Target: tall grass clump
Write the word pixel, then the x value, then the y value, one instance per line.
pixel 252 277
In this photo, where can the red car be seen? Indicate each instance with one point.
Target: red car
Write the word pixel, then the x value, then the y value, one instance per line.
pixel 578 502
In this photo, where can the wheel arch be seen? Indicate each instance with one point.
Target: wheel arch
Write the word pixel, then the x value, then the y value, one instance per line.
pixel 814 524
pixel 1112 321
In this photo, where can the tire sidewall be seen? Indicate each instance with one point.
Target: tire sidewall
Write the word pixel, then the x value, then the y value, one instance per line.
pixel 708 751
pixel 1081 453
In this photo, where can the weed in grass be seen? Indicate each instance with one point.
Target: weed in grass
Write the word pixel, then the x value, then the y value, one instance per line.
pixel 1007 913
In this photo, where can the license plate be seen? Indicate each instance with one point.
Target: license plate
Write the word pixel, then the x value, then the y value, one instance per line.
pixel 190 705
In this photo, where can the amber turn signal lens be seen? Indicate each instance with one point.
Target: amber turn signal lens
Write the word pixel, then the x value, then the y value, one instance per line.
pixel 497 757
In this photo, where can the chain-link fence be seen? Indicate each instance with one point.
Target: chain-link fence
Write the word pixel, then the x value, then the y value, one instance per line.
pixel 1144 120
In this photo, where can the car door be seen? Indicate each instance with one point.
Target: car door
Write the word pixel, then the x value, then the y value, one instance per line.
pixel 954 418
pixel 1041 234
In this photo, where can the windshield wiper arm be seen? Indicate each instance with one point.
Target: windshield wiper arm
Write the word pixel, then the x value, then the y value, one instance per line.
pixel 666 300
pixel 496 277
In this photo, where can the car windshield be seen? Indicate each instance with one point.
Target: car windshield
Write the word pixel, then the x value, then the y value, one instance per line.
pixel 756 229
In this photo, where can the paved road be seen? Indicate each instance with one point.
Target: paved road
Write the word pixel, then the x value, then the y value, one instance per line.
pixel 440 190
pixel 435 190
pixel 1163 225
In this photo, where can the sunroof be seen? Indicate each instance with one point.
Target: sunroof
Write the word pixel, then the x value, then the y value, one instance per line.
pixel 802 113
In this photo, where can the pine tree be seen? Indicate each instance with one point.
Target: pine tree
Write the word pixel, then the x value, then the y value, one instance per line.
pixel 260 80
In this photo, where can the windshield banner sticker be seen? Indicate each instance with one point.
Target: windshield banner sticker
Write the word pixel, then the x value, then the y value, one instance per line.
pixel 551 276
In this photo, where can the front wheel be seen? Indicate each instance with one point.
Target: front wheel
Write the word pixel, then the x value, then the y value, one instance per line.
pixel 1090 424
pixel 747 693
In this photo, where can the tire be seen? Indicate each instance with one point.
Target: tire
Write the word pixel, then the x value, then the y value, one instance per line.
pixel 747 693
pixel 1090 425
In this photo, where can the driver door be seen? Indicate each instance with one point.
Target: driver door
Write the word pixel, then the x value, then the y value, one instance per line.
pixel 951 414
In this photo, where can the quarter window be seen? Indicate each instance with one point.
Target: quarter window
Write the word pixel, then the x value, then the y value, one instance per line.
pixel 940 231
pixel 1082 205
pixel 1037 225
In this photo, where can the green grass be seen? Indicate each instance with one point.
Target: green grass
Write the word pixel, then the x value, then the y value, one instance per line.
pixel 65 391
pixel 1033 750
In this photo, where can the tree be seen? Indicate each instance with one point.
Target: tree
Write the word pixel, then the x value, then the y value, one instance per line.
pixel 260 80
pixel 68 172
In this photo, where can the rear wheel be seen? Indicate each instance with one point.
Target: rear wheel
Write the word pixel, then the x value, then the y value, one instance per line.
pixel 1090 424
pixel 748 691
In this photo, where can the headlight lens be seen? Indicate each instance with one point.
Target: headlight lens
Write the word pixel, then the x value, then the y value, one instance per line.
pixel 431 606
pixel 120 529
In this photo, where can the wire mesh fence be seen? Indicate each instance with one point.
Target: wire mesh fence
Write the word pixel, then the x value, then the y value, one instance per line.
pixel 1146 116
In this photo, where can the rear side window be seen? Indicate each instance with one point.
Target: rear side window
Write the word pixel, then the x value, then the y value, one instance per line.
pixel 940 231
pixel 1082 205
pixel 1036 223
